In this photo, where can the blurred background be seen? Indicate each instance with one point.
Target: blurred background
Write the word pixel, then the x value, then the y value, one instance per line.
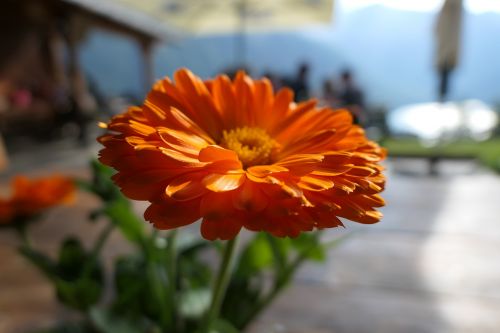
pixel 422 77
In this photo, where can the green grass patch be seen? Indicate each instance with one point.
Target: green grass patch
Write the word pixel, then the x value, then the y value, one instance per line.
pixel 487 152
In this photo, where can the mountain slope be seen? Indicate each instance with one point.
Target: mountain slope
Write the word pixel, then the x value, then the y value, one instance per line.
pixel 390 51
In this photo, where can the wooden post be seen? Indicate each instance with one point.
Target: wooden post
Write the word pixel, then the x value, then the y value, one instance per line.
pixel 78 83
pixel 75 75
pixel 56 54
pixel 147 48
pixel 84 103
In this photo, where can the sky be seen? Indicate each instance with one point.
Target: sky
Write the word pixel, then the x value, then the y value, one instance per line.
pixel 475 6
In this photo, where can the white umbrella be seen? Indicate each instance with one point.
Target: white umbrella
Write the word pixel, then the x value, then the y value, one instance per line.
pixel 198 17
pixel 226 16
pixel 448 40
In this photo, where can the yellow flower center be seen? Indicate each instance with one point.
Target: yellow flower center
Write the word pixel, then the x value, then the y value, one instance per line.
pixel 252 145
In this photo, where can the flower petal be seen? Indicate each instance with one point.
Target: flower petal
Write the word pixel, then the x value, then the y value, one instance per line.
pixel 301 164
pixel 178 156
pixel 315 183
pixel 198 96
pixel 223 183
pixel 223 229
pixel 185 143
pixel 170 151
pixel 216 205
pixel 243 85
pixel 170 214
pixel 250 198
pixel 315 143
pixel 185 187
pixel 216 153
pixel 225 100
pixel 142 184
pixel 262 171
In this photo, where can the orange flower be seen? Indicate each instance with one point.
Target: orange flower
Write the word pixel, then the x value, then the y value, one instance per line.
pixel 32 197
pixel 237 155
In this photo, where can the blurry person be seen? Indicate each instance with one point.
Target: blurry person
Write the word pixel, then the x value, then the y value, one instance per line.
pixel 232 71
pixel 276 80
pixel 4 157
pixel 82 110
pixel 300 84
pixel 4 96
pixel 329 96
pixel 75 110
pixel 4 108
pixel 21 98
pixel 351 97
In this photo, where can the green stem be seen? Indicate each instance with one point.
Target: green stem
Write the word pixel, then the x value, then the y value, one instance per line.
pixel 96 250
pixel 23 233
pixel 160 275
pixel 103 237
pixel 279 259
pixel 280 283
pixel 154 234
pixel 221 284
pixel 282 279
pixel 160 287
pixel 172 272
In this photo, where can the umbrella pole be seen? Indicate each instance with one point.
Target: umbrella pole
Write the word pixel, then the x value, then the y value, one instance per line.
pixel 241 36
pixel 444 83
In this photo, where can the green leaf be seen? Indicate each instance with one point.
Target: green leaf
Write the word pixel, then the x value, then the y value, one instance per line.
pixel 84 185
pixel 331 244
pixel 72 258
pixel 187 243
pixel 101 183
pixel 72 288
pixel 257 256
pixel 121 214
pixel 223 326
pixel 304 241
pixel 116 207
pixel 131 288
pixel 46 265
pixel 317 253
pixel 195 302
pixel 95 214
pixel 79 278
pixel 193 272
pixel 127 270
pixel 106 322
pixel 281 252
pixel 80 294
pixel 242 295
pixel 309 246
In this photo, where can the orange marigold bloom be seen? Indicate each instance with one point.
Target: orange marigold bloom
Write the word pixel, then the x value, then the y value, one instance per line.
pixel 237 155
pixel 31 197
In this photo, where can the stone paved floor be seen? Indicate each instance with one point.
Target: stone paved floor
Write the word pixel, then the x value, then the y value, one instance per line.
pixel 432 265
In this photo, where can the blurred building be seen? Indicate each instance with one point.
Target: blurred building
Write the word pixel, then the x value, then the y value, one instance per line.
pixel 41 80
